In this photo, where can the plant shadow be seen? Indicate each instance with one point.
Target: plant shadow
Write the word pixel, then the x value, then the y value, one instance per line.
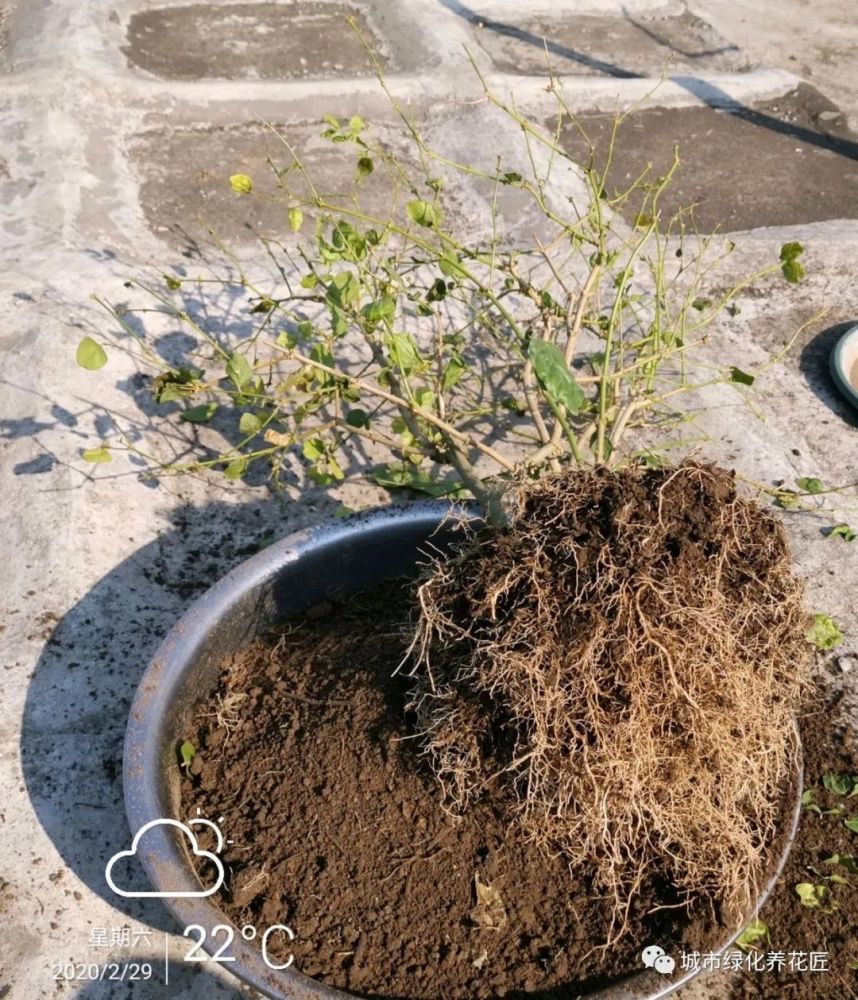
pixel 78 699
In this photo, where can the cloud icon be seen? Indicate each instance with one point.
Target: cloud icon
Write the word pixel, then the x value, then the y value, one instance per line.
pixel 195 849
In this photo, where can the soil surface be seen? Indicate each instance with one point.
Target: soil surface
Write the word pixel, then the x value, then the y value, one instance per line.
pixel 799 162
pixel 249 41
pixel 338 831
pixel 829 748
pixel 594 45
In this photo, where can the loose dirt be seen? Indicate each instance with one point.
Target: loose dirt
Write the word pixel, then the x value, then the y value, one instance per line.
pixel 829 748
pixel 338 831
pixel 777 163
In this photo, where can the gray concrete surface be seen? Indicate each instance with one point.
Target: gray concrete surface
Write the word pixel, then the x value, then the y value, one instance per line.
pixel 107 146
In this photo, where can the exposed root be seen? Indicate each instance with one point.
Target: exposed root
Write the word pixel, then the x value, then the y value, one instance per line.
pixel 627 658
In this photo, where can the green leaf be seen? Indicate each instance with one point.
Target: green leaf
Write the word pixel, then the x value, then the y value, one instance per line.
pixel 241 183
pixel 200 414
pixel 187 751
pixel 555 376
pixel 403 351
pixel 737 375
pixel 174 386
pixel 236 469
pixel 356 124
pixel 239 370
pixel 296 219
pixel 90 355
pixel 843 531
pixel 810 484
pixel 824 633
pixel 382 309
pixel 847 861
pixel 394 477
pixel 424 213
pixel 264 305
pixel 97 456
pixel 510 177
pixel 786 499
pixel 365 166
pixel 808 803
pixel 840 784
pixel 793 271
pixel 753 934
pixel 810 895
pixel 357 418
pixel 701 305
pixel 453 373
pixel 173 283
pixel 851 824
pixel 451 264
pixel 249 424
pixel 344 290
pixel 314 449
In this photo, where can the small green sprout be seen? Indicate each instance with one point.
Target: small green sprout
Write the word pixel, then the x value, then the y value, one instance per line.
pixel 756 932
pixel 187 751
pixel 824 633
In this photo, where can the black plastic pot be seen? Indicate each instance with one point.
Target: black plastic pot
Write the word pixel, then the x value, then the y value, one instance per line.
pixel 294 574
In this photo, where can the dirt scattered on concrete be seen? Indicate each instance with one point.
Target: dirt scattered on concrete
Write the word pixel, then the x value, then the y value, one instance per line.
pixel 783 162
pixel 591 45
pixel 262 41
pixel 185 180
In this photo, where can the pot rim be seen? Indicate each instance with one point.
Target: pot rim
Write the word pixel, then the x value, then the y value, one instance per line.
pixel 840 368
pixel 166 865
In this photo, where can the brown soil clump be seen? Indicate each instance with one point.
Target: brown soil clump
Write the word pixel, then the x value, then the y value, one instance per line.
pixel 625 662
pixel 337 831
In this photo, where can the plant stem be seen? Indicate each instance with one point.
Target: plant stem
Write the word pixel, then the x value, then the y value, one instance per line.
pixel 418 411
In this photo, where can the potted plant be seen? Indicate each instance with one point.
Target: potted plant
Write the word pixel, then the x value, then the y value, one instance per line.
pixel 579 725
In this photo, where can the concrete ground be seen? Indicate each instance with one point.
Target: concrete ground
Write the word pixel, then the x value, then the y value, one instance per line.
pixel 119 124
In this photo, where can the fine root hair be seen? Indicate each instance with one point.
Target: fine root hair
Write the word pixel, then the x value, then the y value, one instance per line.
pixel 626 659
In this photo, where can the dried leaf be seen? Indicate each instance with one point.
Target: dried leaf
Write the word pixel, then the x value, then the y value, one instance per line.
pixel 489 913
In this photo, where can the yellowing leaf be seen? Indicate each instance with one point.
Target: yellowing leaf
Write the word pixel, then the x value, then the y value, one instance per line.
pixel 277 439
pixel 249 423
pixel 424 213
pixel 489 913
pixel 241 183
pixel 296 219
pixel 90 354
pixel 97 456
